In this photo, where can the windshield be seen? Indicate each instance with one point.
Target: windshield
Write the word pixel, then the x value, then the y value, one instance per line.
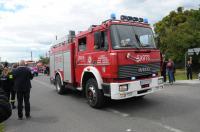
pixel 127 36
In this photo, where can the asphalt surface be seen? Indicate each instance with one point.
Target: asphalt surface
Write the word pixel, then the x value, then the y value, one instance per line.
pixel 174 109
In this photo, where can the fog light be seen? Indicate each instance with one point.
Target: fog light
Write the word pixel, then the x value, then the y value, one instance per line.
pixel 153 75
pixel 123 88
pixel 133 78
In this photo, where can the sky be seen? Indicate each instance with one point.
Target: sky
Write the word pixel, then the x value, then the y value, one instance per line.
pixel 31 25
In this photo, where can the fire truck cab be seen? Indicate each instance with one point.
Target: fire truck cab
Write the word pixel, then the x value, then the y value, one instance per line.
pixel 117 59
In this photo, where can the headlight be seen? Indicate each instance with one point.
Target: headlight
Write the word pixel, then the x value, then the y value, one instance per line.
pixel 123 88
pixel 160 81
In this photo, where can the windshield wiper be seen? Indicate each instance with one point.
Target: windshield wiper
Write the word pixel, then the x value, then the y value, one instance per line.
pixel 143 46
pixel 138 40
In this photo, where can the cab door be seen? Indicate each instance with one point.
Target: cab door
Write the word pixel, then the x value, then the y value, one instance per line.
pixel 100 52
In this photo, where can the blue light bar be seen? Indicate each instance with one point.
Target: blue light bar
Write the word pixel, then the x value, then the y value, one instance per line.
pixel 129 18
pixel 145 20
pixel 113 16
pixel 141 20
pixel 135 18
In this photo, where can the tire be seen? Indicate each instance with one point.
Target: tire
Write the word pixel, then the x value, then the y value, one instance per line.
pixel 95 96
pixel 59 86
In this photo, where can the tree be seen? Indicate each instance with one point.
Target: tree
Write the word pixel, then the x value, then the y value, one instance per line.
pixel 44 60
pixel 177 32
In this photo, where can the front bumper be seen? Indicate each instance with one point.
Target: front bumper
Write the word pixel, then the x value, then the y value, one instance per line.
pixel 135 88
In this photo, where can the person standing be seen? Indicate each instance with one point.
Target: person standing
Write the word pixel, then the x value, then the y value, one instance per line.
pixel 5 108
pixel 1 70
pixel 47 70
pixel 189 70
pixel 12 92
pixel 163 69
pixel 174 71
pixel 22 86
pixel 5 80
pixel 170 70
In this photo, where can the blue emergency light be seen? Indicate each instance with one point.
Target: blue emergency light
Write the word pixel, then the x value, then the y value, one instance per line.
pixel 113 16
pixel 145 20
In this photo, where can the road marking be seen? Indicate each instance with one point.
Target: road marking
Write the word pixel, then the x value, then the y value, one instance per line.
pixel 118 112
pixel 171 129
pixel 128 130
pixel 125 115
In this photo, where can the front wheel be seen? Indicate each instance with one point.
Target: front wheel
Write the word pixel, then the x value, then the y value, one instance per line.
pixel 95 96
pixel 59 86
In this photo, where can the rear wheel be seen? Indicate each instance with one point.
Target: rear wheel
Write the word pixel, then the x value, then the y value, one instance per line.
pixel 95 96
pixel 59 86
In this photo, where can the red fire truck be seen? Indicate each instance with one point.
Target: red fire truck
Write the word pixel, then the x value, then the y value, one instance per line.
pixel 117 59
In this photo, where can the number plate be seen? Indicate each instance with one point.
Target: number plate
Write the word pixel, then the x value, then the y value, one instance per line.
pixel 147 81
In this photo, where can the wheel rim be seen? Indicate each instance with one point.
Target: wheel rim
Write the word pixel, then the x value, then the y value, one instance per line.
pixel 91 95
pixel 58 86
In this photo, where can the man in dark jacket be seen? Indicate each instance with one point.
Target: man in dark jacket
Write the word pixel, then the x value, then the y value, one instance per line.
pixel 5 108
pixel 22 85
pixel 189 69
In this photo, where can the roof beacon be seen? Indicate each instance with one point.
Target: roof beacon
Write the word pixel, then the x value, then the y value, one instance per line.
pixel 145 20
pixel 113 16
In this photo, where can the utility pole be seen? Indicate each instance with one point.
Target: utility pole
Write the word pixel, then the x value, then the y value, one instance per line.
pixel 31 56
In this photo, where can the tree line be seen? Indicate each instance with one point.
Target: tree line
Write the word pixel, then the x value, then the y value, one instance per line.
pixel 178 32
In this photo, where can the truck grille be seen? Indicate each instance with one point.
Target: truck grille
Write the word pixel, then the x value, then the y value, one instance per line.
pixel 138 70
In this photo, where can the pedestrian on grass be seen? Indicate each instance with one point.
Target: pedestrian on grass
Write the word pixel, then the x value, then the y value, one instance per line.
pixel 22 85
pixel 174 71
pixel 189 69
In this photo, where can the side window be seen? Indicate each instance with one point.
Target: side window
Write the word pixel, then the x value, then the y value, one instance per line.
pixel 100 40
pixel 82 44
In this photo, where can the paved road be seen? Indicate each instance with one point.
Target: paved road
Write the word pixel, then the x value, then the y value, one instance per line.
pixel 175 109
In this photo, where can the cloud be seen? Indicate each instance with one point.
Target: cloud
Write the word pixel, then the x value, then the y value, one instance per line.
pixel 31 25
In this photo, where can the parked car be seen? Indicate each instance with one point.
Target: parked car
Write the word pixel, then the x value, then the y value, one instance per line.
pixel 34 71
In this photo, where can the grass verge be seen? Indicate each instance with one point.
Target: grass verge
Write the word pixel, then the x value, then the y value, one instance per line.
pixel 181 75
pixel 1 127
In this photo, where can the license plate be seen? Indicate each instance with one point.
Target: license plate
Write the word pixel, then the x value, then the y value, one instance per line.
pixel 147 81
